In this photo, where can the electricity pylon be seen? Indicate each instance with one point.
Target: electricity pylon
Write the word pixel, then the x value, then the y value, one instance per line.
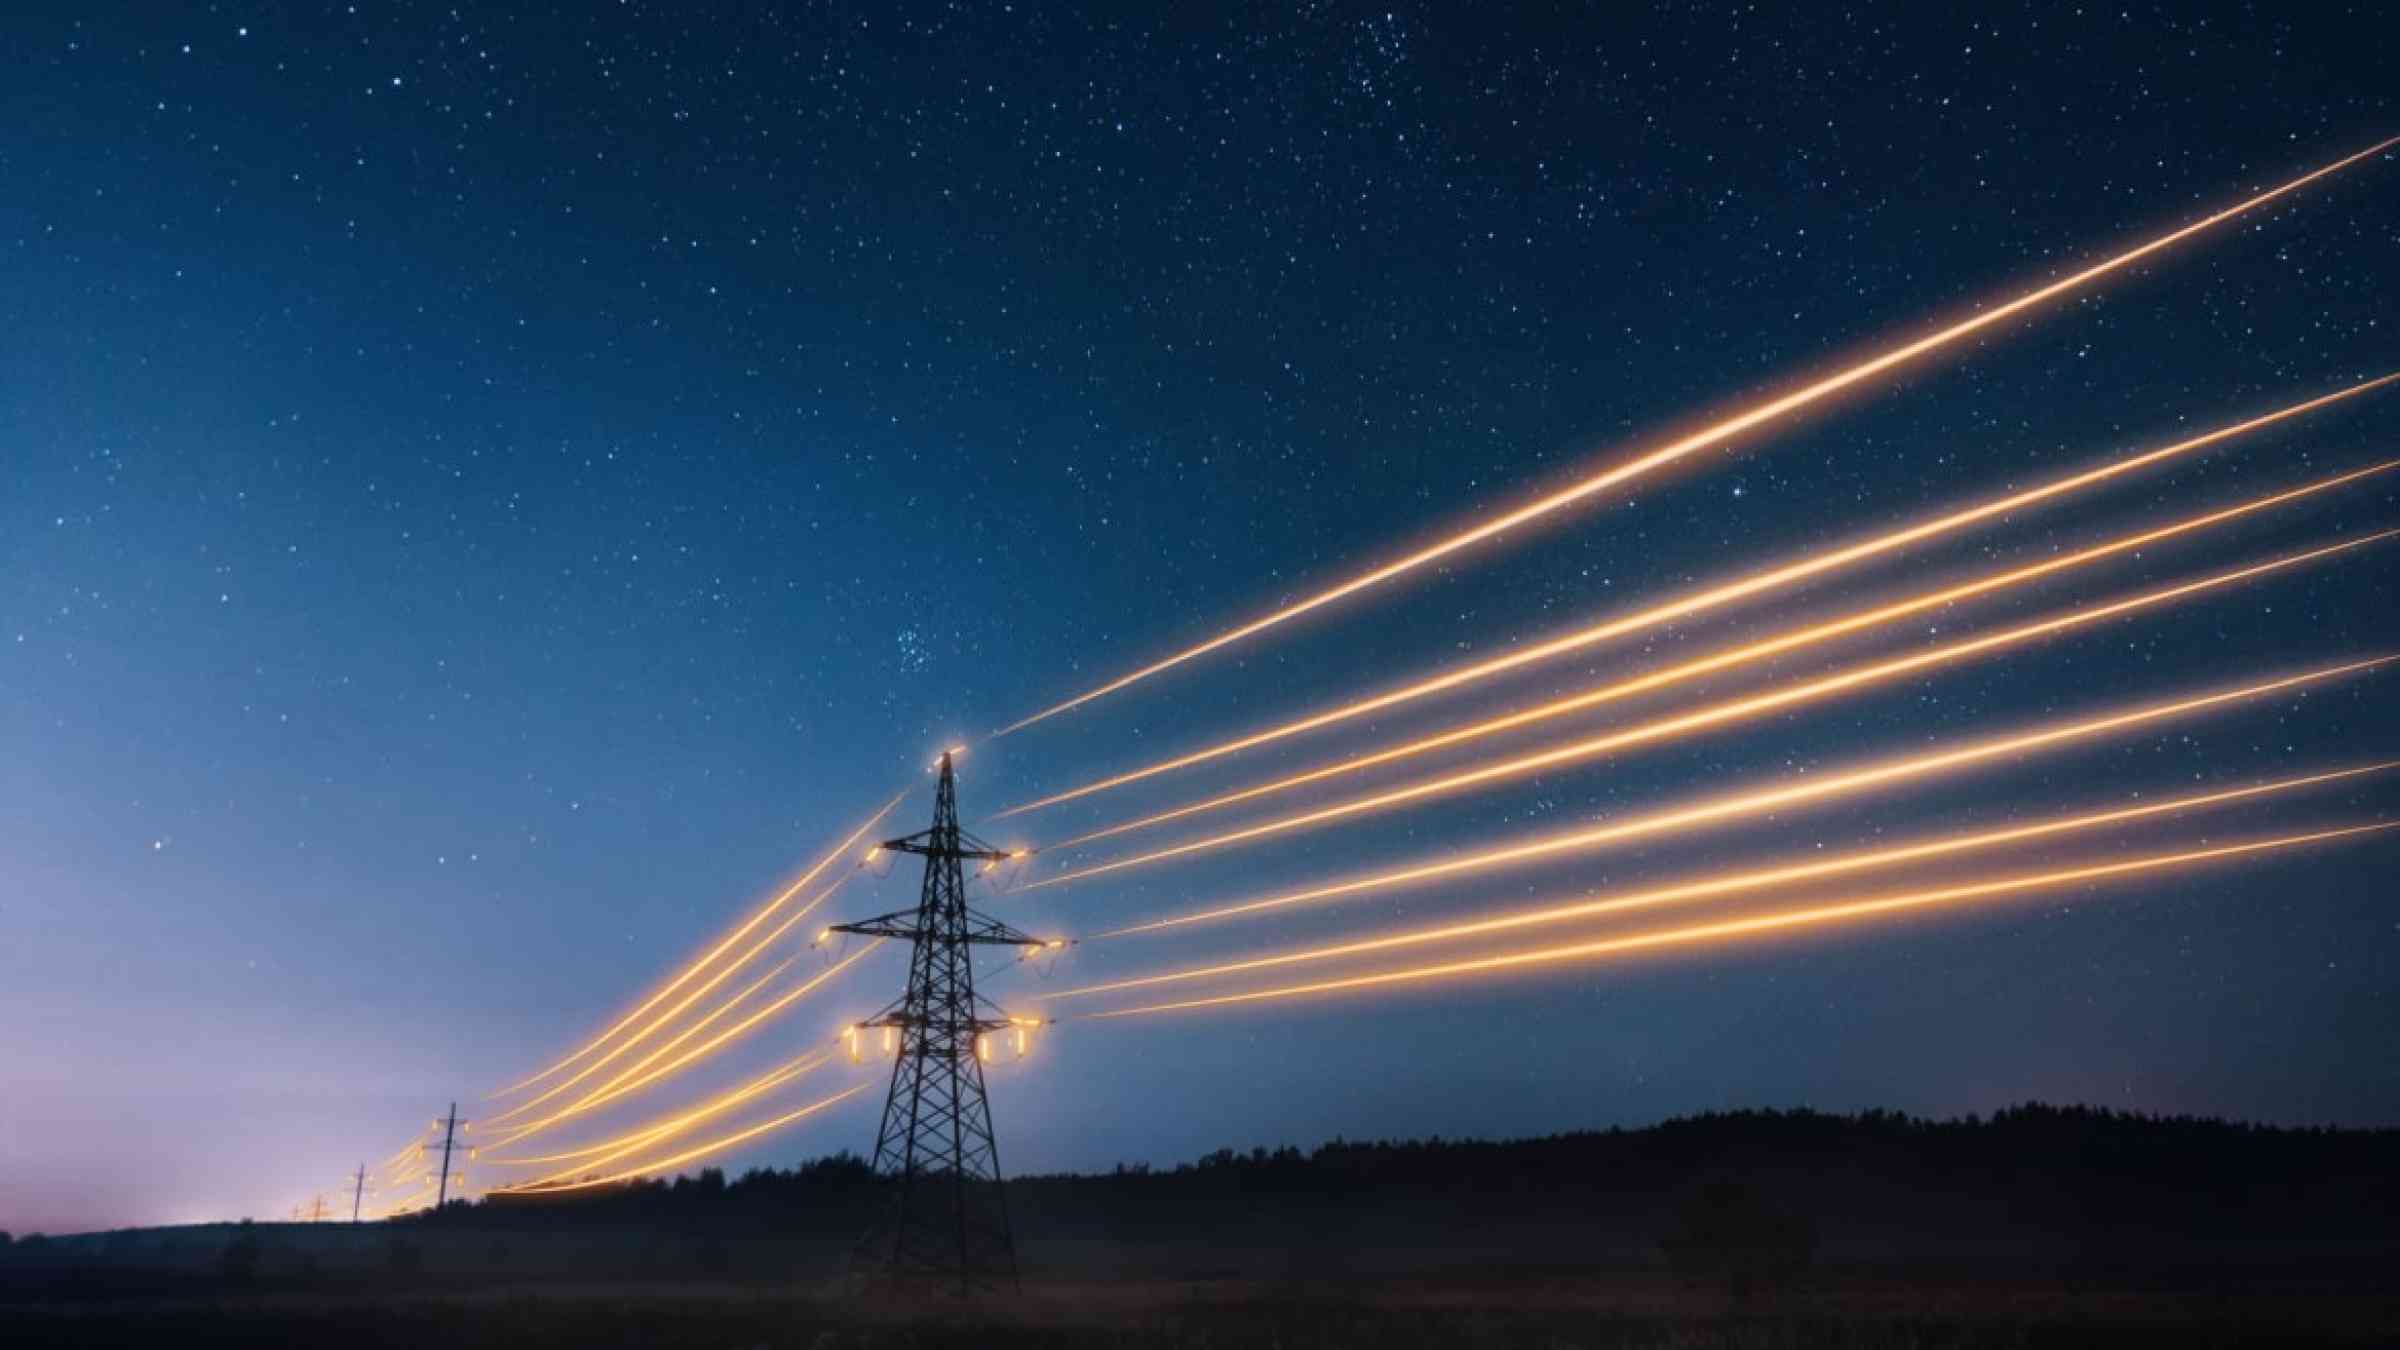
pixel 449 1128
pixel 949 1217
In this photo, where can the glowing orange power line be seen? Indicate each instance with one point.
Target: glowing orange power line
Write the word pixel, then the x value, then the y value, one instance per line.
pixel 1716 714
pixel 781 1073
pixel 1735 805
pixel 1757 583
pixel 595 1096
pixel 1744 654
pixel 628 1082
pixel 403 1155
pixel 1765 923
pixel 1734 883
pixel 627 1145
pixel 407 1203
pixel 697 966
pixel 712 1146
pixel 667 1018
pixel 661 1136
pixel 1715 433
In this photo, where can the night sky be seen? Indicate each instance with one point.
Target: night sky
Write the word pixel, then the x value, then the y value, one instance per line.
pixel 486 497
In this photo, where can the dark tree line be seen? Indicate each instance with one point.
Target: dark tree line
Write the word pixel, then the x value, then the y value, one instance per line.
pixel 1750 1202
pixel 2056 1169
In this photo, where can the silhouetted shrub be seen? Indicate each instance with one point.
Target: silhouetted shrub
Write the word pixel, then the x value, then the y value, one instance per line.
pixel 239 1261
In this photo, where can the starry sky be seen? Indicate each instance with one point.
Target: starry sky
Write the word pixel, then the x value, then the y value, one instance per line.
pixel 486 495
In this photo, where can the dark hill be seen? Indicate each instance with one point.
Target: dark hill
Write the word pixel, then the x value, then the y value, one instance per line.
pixel 2036 1192
pixel 2031 1189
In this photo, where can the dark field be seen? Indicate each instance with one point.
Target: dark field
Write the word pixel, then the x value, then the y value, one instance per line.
pixel 1498 1311
pixel 2037 1227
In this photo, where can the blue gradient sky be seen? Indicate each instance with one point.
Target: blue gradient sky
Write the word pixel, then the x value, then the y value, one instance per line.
pixel 483 500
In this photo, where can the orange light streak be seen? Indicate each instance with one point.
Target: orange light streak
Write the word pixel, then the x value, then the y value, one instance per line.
pixel 627 1145
pixel 1735 883
pixel 697 966
pixel 627 1082
pixel 406 1151
pixel 1765 923
pixel 1714 433
pixel 712 1146
pixel 1815 788
pixel 667 1018
pixel 1731 710
pixel 595 1096
pixel 1746 654
pixel 406 1204
pixel 781 1073
pixel 1808 565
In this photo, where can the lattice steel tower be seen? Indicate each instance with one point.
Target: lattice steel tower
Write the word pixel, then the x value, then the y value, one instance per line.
pixel 949 1219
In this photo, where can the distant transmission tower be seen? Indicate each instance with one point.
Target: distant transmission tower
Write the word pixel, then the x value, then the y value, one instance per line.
pixel 358 1191
pixel 449 1126
pixel 949 1218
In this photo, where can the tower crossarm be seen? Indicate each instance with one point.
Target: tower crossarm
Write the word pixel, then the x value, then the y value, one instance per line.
pixel 901 925
pixel 904 925
pixel 967 1026
pixel 930 844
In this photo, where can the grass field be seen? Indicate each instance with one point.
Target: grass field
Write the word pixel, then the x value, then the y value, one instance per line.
pixel 2038 1227
pixel 1587 1312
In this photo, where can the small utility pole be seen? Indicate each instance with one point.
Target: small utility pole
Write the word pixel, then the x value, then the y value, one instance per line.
pixel 358 1191
pixel 441 1194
